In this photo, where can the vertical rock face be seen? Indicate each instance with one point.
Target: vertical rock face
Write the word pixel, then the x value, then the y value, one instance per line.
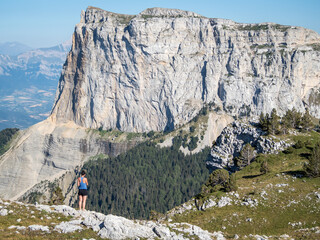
pixel 157 69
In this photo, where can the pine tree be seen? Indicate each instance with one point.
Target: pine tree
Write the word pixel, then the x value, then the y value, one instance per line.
pixel 263 122
pixel 273 122
pixel 313 167
pixel 247 154
pixel 287 120
pixel 306 121
pixel 219 177
pixel 296 118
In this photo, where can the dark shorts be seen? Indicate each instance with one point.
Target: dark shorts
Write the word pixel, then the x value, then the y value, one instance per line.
pixel 83 192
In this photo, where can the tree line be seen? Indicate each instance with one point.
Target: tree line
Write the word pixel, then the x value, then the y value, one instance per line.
pixel 144 179
pixel 292 119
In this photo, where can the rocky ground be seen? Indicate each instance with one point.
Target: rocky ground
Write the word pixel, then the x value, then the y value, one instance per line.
pixel 24 221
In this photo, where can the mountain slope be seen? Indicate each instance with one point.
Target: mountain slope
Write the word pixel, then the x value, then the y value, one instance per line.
pixel 284 201
pixel 282 204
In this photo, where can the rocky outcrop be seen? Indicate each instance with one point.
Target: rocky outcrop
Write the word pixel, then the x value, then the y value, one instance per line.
pixel 105 226
pixel 233 138
pixel 46 151
pixel 157 69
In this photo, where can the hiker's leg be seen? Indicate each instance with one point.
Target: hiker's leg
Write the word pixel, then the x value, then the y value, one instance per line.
pixel 84 202
pixel 80 202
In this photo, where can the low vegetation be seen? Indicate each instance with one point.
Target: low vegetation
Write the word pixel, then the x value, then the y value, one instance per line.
pixel 21 215
pixel 277 194
pixel 6 136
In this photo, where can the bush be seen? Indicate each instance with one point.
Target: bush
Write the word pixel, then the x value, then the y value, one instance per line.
pixel 289 150
pixel 193 143
pixel 232 184
pixel 264 168
pixel 150 134
pixel 219 177
pixel 299 144
pixel 155 216
pixel 312 169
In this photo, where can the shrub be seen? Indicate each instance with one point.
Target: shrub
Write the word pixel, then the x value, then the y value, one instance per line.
pixel 150 134
pixel 299 144
pixel 264 168
pixel 155 216
pixel 312 169
pixel 232 184
pixel 193 143
pixel 219 177
pixel 289 150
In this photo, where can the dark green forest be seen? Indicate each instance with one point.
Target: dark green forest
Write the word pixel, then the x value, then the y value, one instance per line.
pixel 5 137
pixel 145 178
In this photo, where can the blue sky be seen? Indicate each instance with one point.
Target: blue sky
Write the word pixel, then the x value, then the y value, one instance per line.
pixel 45 23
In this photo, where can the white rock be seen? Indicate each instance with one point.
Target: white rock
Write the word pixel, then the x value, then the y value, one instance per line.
pixel 93 220
pixel 67 227
pixel 224 201
pixel 39 228
pixel 44 208
pixel 209 203
pixel 196 231
pixel 122 228
pixel 3 212
pixel 285 236
pixel 281 185
pixel 19 228
pixel 66 210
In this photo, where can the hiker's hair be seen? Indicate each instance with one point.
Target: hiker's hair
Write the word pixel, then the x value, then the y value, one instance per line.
pixel 83 172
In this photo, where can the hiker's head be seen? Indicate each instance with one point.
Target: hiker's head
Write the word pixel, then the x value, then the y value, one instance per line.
pixel 83 172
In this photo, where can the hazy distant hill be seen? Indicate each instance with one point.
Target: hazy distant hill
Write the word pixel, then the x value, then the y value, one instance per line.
pixel 28 83
pixel 13 48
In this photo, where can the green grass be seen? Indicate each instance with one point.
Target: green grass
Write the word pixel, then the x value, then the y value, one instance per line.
pixel 29 215
pixel 294 202
pixel 254 27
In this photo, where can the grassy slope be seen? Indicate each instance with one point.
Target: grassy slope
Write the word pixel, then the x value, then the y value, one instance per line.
pixel 29 215
pixel 292 208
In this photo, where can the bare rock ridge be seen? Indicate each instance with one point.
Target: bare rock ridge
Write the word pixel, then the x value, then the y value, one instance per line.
pixel 157 69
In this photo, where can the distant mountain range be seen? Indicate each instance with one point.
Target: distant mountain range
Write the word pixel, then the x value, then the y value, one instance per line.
pixel 13 48
pixel 28 81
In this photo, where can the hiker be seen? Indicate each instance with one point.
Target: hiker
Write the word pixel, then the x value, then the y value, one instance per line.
pixel 83 190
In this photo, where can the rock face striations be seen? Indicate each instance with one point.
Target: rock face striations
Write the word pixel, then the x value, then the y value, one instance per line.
pixel 157 69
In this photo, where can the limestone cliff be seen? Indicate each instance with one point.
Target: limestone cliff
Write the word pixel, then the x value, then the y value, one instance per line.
pixel 46 151
pixel 157 69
